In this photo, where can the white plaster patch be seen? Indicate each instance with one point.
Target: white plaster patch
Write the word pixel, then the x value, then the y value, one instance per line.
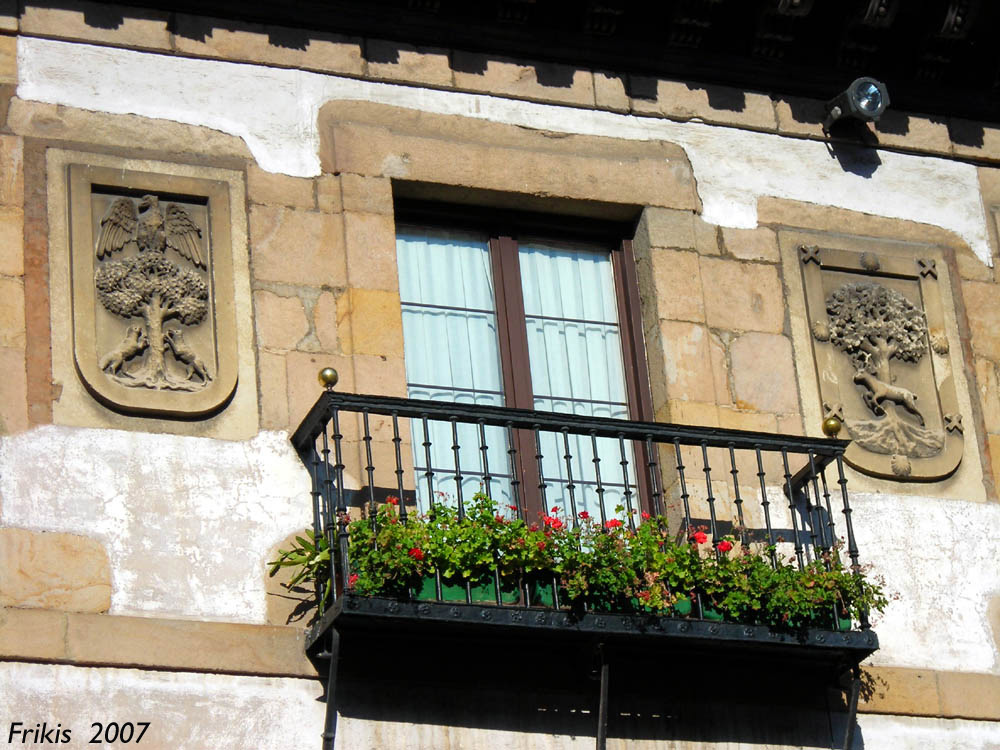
pixel 185 711
pixel 939 557
pixel 275 111
pixel 918 733
pixel 186 521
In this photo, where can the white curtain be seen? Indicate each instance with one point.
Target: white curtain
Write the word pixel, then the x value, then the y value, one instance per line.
pixel 452 354
pixel 574 343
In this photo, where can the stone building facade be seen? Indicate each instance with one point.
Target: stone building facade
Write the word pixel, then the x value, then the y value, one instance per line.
pixel 134 535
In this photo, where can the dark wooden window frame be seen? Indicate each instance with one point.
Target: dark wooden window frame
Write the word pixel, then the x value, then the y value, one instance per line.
pixel 503 228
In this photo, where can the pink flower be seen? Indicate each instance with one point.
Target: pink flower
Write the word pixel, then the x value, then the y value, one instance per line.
pixel 351 580
pixel 699 537
pixel 614 523
pixel 416 553
pixel 725 546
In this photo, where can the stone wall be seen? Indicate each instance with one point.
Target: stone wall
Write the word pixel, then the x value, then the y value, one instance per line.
pixel 127 528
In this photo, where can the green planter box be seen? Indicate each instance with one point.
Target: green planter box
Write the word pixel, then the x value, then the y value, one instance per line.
pixel 482 591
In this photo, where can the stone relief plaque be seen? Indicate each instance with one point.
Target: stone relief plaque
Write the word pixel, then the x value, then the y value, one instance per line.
pixel 881 354
pixel 153 324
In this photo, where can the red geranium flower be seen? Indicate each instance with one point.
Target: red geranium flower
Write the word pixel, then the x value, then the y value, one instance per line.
pixel 392 500
pixel 584 515
pixel 699 537
pixel 416 553
pixel 725 546
pixel 541 545
pixel 351 580
pixel 533 527
pixel 555 509
pixel 645 516
pixel 614 523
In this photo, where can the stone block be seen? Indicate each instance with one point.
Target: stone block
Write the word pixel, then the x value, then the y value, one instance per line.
pixel 12 313
pixel 13 391
pixel 301 370
pixel 383 375
pixel 53 571
pixel 186 645
pixel 731 418
pixel 273 391
pixel 372 195
pixel 8 15
pixel 29 634
pixel 11 241
pixel 973 138
pixel 371 251
pixel 993 446
pixel 279 190
pixel 790 424
pixel 720 370
pixel 395 61
pixel 984 318
pixel 896 690
pixel 913 132
pixel 694 413
pixel 54 122
pixel 100 22
pixel 752 244
pixel 742 296
pixel 764 373
pixel 456 151
pixel 677 280
pixel 281 321
pixel 663 227
pixel 609 92
pixel 297 247
pixel 707 237
pixel 970 267
pixel 716 104
pixel 969 695
pixel 8 59
pixel 370 322
pixel 325 321
pixel 234 40
pixel 11 171
pixel 547 82
pixel 989 394
pixel 800 116
pixel 328 194
pixel 686 361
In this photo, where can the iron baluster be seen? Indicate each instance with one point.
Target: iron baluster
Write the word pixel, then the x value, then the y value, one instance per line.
pixel 831 529
pixel 318 532
pixel 331 542
pixel 766 505
pixel 629 510
pixel 817 507
pixel 652 465
pixel 370 466
pixel 791 510
pixel 485 460
pixel 345 569
pixel 600 484
pixel 852 544
pixel 711 500
pixel 396 442
pixel 684 493
pixel 570 487
pixel 737 500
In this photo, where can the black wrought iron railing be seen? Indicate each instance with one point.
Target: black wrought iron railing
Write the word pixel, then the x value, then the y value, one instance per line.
pixel 786 493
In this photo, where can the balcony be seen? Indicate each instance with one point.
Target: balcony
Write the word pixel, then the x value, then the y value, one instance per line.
pixel 783 497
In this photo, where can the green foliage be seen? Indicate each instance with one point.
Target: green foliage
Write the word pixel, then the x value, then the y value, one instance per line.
pixel 310 557
pixel 608 567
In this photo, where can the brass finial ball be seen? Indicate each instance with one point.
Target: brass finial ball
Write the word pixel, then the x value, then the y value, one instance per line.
pixel 328 377
pixel 831 426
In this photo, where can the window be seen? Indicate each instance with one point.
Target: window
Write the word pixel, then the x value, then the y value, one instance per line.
pixel 531 319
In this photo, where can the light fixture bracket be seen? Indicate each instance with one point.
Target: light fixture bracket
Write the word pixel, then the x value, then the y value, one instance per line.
pixel 865 99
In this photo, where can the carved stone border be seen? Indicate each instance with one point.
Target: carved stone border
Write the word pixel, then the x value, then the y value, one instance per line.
pixel 816 256
pixel 151 402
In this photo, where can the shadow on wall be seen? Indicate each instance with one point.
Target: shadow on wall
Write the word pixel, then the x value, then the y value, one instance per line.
pixel 553 690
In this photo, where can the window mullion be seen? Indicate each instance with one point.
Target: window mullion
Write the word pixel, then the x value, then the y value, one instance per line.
pixel 513 334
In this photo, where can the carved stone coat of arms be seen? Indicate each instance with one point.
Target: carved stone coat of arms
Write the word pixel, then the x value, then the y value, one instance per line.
pixel 152 329
pixel 881 355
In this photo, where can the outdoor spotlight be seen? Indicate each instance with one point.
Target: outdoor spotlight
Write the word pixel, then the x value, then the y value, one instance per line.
pixel 865 99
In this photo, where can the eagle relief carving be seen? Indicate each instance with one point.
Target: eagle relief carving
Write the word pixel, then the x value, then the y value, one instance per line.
pixel 158 284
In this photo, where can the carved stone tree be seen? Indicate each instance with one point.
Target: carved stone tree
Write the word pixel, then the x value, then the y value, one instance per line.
pixel 151 287
pixel 874 325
